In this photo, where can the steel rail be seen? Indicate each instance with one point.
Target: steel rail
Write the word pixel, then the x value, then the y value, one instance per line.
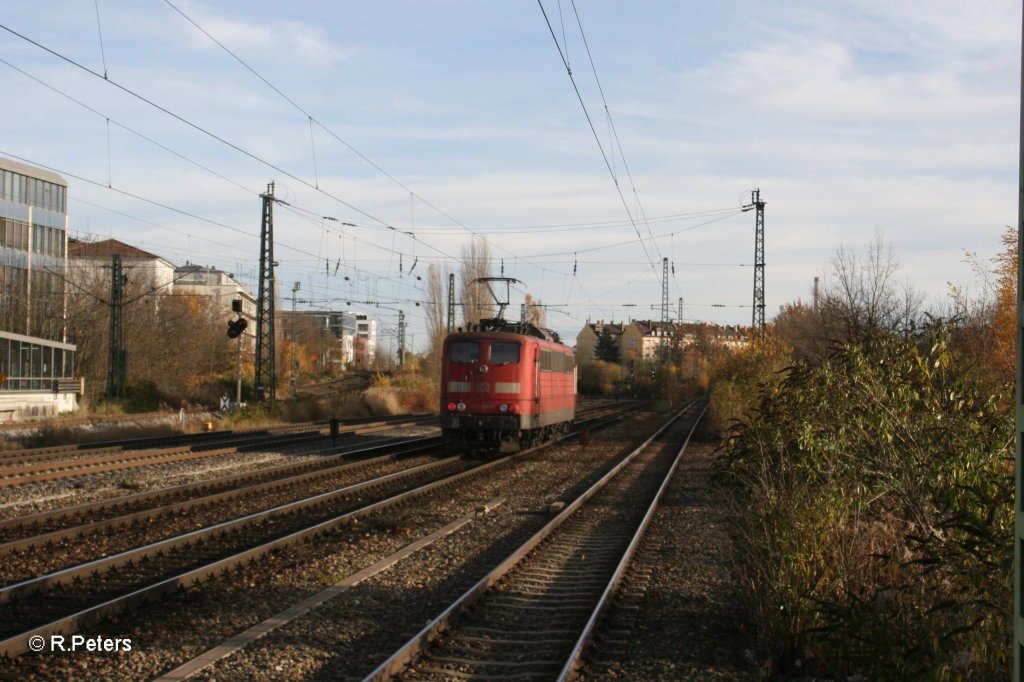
pixel 127 460
pixel 208 437
pixel 342 466
pixel 407 653
pixel 49 581
pixel 575 657
pixel 111 505
pixel 18 644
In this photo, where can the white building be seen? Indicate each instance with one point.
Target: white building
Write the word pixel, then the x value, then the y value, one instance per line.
pixel 145 271
pixel 220 288
pixel 365 339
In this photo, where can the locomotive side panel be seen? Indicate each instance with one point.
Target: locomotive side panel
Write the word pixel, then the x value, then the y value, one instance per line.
pixel 557 384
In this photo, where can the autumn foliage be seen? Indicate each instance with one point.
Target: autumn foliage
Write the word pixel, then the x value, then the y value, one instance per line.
pixel 872 475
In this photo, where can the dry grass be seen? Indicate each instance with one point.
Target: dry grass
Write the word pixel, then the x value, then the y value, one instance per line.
pixel 383 400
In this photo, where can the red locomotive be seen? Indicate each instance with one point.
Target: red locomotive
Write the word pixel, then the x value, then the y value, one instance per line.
pixel 505 384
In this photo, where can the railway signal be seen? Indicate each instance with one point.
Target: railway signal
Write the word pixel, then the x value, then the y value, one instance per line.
pixel 236 327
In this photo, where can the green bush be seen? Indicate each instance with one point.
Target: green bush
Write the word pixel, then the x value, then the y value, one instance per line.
pixel 142 396
pixel 739 379
pixel 874 492
pixel 600 378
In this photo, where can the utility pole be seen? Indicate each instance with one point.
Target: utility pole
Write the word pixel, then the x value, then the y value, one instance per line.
pixel 679 317
pixel 816 279
pixel 451 302
pixel 1018 597
pixel 663 348
pixel 116 369
pixel 758 317
pixel 265 377
pixel 295 356
pixel 401 339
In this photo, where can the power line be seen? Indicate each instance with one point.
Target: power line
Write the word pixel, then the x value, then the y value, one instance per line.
pixel 574 227
pixel 597 138
pixel 641 239
pixel 246 153
pixel 126 128
pixel 611 124
pixel 208 133
pixel 334 135
pixel 170 208
pixel 108 185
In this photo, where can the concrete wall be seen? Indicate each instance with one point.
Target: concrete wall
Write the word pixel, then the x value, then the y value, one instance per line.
pixel 25 405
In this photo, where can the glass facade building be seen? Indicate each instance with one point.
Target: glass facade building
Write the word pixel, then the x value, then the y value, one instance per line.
pixel 32 364
pixel 33 250
pixel 37 365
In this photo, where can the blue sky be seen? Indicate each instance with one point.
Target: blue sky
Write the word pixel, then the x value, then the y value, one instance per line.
pixel 851 118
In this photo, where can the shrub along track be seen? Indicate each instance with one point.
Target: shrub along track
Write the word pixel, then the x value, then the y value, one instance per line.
pixel 66 600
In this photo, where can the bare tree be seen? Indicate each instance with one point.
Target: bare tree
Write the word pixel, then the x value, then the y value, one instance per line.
pixel 176 341
pixel 437 323
pixel 535 313
pixel 865 297
pixel 475 262
pixel 801 327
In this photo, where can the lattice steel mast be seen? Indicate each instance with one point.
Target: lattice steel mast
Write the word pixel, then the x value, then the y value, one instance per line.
pixel 401 338
pixel 117 373
pixel 265 378
pixel 451 303
pixel 663 348
pixel 758 316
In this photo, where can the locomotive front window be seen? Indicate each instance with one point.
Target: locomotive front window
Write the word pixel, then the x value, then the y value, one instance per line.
pixel 464 352
pixel 504 353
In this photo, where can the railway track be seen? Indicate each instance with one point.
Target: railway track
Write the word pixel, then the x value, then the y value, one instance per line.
pixel 49 464
pixel 163 513
pixel 533 615
pixel 66 600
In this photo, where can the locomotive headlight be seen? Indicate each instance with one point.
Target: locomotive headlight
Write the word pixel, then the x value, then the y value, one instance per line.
pixel 462 407
pixel 503 408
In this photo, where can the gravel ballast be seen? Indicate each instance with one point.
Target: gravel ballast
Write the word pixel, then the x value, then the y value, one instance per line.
pixel 688 616
pixel 680 614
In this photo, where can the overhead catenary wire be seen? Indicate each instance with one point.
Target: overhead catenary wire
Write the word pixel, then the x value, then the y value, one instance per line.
pixel 160 204
pixel 597 138
pixel 206 132
pixel 243 151
pixel 185 158
pixel 642 239
pixel 611 124
pixel 334 135
pixel 320 259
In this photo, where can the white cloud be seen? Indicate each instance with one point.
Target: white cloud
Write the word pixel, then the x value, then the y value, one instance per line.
pixel 286 40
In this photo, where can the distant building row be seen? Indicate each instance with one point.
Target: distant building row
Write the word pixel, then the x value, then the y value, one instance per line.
pixel 40 265
pixel 345 337
pixel 642 339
